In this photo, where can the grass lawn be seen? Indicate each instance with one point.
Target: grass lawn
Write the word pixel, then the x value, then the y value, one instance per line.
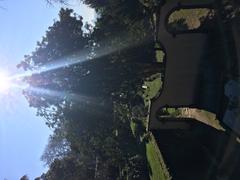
pixel 157 167
pixel 191 18
pixel 154 85
pixel 158 170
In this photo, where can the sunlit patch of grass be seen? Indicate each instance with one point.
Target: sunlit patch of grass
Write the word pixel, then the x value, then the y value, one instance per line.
pixel 133 128
pixel 203 116
pixel 156 165
pixel 211 119
pixel 159 56
pixel 190 18
pixel 153 85
pixel 158 170
pixel 159 53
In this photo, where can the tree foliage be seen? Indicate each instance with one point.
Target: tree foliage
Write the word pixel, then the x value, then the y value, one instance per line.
pixel 25 177
pixel 82 72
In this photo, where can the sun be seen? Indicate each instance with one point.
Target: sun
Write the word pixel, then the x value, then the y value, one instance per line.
pixel 5 83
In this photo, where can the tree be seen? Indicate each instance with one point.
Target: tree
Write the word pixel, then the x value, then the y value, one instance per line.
pixel 119 70
pixel 25 177
pixel 76 98
pixel 67 168
pixel 58 147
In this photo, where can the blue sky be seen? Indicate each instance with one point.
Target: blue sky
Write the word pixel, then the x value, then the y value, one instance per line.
pixel 23 136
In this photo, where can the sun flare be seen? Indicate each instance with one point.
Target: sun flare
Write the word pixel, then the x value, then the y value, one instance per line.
pixel 5 83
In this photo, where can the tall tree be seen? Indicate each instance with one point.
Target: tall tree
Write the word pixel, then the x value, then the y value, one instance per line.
pixel 25 177
pixel 81 72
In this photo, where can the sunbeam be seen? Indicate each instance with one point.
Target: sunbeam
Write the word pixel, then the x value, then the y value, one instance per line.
pixel 81 100
pixel 17 82
pixel 5 82
pixel 63 95
pixel 77 58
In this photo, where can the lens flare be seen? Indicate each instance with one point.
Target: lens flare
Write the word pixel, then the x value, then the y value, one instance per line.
pixel 5 83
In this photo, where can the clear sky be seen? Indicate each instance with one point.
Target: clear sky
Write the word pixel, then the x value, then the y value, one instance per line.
pixel 23 136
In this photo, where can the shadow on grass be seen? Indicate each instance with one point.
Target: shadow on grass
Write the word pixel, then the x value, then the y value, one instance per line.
pixel 197 153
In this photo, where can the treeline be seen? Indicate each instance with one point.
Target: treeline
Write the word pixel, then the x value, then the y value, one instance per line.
pixel 83 76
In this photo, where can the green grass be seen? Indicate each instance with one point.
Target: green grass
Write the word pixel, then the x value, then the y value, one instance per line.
pixel 153 84
pixel 158 170
pixel 191 18
pixel 156 164
pixel 157 167
pixel 171 110
pixel 211 119
pixel 133 126
pixel 159 53
pixel 159 56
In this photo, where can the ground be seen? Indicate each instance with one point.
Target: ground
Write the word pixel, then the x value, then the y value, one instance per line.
pixel 157 167
pixel 207 150
pixel 152 86
pixel 156 164
pixel 202 116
